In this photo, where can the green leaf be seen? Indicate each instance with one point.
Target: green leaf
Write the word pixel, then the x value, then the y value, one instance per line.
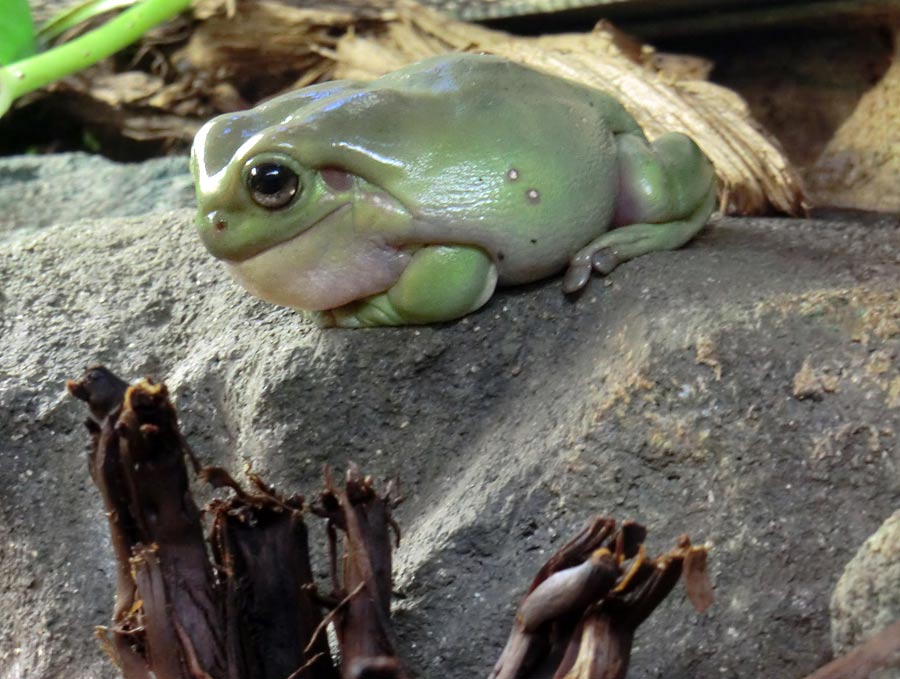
pixel 16 31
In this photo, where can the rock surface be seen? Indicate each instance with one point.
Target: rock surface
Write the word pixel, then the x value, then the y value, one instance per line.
pixel 744 390
pixel 38 191
pixel 867 597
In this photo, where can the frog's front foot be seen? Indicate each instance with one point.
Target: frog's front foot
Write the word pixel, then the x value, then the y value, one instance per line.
pixel 369 313
pixel 441 283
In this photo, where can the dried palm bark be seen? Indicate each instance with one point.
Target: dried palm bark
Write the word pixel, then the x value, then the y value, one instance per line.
pixel 260 546
pixel 179 614
pixel 247 607
pixel 266 45
pixel 579 617
pixel 663 92
pixel 167 620
pixel 363 596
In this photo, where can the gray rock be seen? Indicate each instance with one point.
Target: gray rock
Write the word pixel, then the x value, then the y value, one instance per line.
pixel 867 597
pixel 663 394
pixel 37 191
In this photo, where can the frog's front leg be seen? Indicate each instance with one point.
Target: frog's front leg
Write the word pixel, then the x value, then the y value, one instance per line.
pixel 441 283
pixel 667 191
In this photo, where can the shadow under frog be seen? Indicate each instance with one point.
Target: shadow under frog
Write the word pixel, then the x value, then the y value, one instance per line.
pixel 408 199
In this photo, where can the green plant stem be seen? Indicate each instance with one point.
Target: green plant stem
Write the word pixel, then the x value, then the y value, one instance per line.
pixel 74 15
pixel 29 74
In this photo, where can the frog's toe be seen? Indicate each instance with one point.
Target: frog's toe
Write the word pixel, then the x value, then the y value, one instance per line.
pixel 605 260
pixel 602 260
pixel 577 275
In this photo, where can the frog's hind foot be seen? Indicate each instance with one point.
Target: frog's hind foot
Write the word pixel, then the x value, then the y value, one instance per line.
pixel 604 254
pixel 578 274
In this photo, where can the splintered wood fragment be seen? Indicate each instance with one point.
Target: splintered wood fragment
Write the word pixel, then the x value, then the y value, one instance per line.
pixel 696 581
pixel 153 461
pixel 260 545
pixel 106 471
pixel 629 540
pixel 101 390
pixel 579 618
pixel 862 661
pixel 576 550
pixel 567 577
pixel 159 633
pixel 568 590
pixel 600 648
pixel 362 618
pixel 167 613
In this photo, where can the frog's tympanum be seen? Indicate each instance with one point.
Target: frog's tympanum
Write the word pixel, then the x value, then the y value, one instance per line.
pixel 408 199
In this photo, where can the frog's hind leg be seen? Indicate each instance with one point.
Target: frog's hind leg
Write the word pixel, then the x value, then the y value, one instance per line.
pixel 667 193
pixel 441 283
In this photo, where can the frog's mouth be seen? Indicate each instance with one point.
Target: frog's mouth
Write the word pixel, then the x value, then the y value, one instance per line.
pixel 326 266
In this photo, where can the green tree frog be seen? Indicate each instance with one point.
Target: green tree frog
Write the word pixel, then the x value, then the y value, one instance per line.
pixel 409 198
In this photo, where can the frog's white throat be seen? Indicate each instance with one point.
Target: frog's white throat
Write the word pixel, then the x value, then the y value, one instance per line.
pixel 319 269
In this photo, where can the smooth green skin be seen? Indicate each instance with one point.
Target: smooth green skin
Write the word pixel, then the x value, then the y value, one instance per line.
pixel 424 189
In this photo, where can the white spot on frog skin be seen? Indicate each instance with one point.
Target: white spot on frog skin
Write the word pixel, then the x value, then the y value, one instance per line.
pixel 533 196
pixel 513 174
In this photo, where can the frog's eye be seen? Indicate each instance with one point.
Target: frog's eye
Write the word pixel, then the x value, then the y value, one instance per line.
pixel 272 186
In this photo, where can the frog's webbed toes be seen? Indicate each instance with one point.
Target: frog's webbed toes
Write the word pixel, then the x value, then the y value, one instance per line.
pixel 604 260
pixel 577 275
pixel 601 260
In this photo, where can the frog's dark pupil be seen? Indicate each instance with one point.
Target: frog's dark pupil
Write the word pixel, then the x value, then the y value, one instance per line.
pixel 270 178
pixel 272 186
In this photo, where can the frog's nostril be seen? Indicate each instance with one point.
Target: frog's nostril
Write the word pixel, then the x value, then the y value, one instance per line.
pixel 217 219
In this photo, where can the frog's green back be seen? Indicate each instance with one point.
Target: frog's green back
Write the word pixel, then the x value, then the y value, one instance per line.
pixel 478 143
